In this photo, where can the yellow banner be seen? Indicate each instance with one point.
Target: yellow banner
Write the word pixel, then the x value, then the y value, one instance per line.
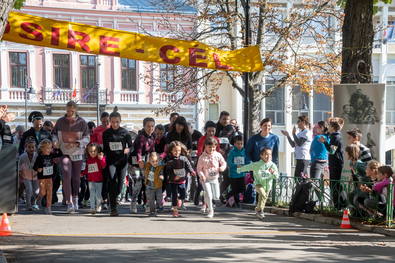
pixel 39 31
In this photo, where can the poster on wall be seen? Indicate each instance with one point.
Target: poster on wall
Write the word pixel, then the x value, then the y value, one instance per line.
pixel 362 106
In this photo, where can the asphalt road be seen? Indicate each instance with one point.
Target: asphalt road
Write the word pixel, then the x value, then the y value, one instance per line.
pixel 231 236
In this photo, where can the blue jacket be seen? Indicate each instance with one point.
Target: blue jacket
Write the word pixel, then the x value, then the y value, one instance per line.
pixel 256 143
pixel 317 149
pixel 231 164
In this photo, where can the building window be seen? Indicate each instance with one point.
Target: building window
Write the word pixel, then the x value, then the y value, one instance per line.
pixel 18 69
pixel 166 77
pixel 390 102
pixel 128 74
pixel 299 101
pixel 321 107
pixel 88 71
pixel 213 112
pixel 61 64
pixel 275 104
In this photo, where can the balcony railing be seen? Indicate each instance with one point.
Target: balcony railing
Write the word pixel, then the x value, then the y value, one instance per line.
pixel 51 96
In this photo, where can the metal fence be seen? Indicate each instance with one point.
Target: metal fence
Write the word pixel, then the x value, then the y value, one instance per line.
pixel 333 196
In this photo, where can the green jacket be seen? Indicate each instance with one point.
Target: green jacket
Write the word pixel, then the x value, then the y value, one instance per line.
pixel 262 176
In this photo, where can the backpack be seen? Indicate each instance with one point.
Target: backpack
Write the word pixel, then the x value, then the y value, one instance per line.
pixel 301 199
pixel 250 194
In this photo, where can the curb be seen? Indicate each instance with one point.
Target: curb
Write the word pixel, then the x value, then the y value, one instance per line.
pixel 325 220
pixel 2 257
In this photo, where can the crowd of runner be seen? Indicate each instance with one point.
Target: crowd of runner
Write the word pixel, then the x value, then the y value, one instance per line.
pixel 101 167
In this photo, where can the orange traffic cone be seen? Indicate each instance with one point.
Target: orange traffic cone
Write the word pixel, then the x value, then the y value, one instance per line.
pixel 5 229
pixel 345 220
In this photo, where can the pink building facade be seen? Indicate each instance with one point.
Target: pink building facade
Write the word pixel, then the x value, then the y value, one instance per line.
pixel 121 81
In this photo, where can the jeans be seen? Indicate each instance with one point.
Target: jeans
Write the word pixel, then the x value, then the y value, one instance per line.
pixel 152 193
pixel 95 190
pixel 31 192
pixel 211 191
pixel 175 189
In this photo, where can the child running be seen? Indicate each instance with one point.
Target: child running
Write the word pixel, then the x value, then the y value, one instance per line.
pixel 236 159
pixel 209 165
pixel 25 167
pixel 264 173
pixel 94 168
pixel 153 182
pixel 175 169
pixel 44 168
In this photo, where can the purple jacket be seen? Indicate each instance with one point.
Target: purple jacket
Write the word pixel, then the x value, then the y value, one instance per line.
pixel 65 132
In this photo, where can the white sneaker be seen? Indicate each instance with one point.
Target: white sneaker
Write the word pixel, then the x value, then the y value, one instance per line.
pixel 35 207
pixel 48 210
pixel 70 208
pixel 75 204
pixel 203 209
pixel 133 207
pixel 182 207
pixel 147 209
pixel 210 214
pixel 98 208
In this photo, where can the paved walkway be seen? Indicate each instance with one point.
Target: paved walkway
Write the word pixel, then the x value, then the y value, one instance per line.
pixel 231 236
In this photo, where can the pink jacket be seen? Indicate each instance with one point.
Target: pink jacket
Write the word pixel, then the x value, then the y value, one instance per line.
pixel 208 165
pixel 379 187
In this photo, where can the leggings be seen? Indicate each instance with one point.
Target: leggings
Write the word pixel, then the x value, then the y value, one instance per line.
pixel 301 167
pixel 71 172
pixel 31 191
pixel 106 176
pixel 175 189
pixel 117 176
pixel 211 191
pixel 45 189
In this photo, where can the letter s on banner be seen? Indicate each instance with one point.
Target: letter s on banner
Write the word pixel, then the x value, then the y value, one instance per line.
pixel 38 36
pixel 163 54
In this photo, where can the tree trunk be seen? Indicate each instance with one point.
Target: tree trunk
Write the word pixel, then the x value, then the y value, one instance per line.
pixel 357 42
pixel 255 103
pixel 5 9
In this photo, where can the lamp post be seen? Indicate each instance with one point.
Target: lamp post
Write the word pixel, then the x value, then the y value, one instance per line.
pixel 98 63
pixel 304 103
pixel 29 90
pixel 246 75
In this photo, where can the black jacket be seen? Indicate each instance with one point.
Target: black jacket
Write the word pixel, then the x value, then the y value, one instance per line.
pixel 45 134
pixel 46 162
pixel 225 132
pixel 176 163
pixel 174 136
pixel 116 157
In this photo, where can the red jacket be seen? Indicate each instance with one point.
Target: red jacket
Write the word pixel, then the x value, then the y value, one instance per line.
pixel 94 169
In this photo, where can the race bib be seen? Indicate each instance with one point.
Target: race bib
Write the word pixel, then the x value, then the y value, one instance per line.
pixel 77 157
pixel 115 146
pixel 7 138
pixel 47 171
pixel 29 166
pixel 179 172
pixel 223 140
pixel 92 168
pixel 137 173
pixel 151 176
pixel 239 160
pixel 212 172
pixel 134 160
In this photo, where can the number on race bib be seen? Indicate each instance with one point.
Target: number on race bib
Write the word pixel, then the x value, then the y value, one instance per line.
pixel 134 160
pixel 47 171
pixel 7 138
pixel 179 172
pixel 151 176
pixel 223 140
pixel 92 168
pixel 239 160
pixel 77 157
pixel 29 167
pixel 115 146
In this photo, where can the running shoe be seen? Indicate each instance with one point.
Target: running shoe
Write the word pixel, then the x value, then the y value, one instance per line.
pixel 204 208
pixel 105 206
pixel 75 203
pixel 70 208
pixel 98 208
pixel 182 207
pixel 35 207
pixel 114 212
pixel 48 210
pixel 93 211
pixel 175 213
pixel 133 207
pixel 147 209
pixel 85 203
pixel 210 214
pixel 161 209
pixel 29 208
